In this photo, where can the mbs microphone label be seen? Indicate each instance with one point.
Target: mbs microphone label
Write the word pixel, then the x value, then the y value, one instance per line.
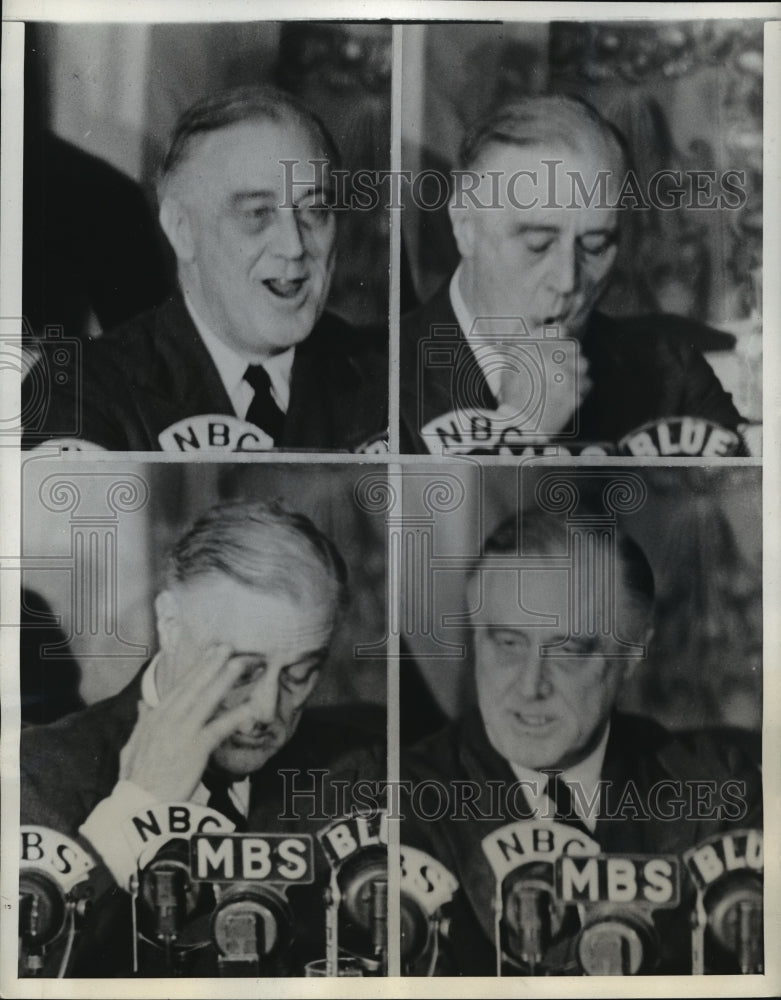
pixel 618 878
pixel 253 857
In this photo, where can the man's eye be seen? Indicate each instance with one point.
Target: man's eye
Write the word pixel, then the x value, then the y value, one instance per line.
pixel 257 216
pixel 537 242
pixel 313 215
pixel 250 672
pixel 510 641
pixel 295 680
pixel 597 244
pixel 577 647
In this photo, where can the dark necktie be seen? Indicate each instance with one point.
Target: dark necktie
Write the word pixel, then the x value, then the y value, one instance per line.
pixel 219 799
pixel 560 794
pixel 263 412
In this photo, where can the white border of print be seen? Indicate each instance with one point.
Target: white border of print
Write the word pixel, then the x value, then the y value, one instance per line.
pixel 10 296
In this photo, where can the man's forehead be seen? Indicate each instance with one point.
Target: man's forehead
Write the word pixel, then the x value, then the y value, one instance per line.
pixel 551 180
pixel 541 592
pixel 251 152
pixel 588 151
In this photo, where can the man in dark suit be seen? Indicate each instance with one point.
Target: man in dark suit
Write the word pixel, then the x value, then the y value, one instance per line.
pixel 244 358
pixel 215 719
pixel 546 761
pixel 513 354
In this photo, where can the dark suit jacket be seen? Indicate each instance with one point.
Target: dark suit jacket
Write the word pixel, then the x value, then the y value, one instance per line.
pixel 155 370
pixel 638 756
pixel 71 765
pixel 642 368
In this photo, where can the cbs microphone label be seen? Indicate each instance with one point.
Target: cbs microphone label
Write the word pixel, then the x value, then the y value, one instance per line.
pixel 54 853
pixel 253 857
pixel 739 851
pixel 618 878
pixel 426 879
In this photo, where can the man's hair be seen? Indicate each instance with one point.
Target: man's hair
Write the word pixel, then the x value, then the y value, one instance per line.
pixel 241 104
pixel 543 120
pixel 544 533
pixel 263 546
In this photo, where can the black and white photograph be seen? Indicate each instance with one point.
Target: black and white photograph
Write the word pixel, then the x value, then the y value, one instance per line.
pixel 202 689
pixel 581 779
pixel 193 278
pixel 390 421
pixel 584 229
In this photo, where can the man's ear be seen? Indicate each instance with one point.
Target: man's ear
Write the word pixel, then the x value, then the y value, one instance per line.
pixel 175 222
pixel 462 221
pixel 632 664
pixel 168 620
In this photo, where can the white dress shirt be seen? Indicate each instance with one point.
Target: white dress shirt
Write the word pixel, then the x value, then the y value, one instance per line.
pixel 103 827
pixel 585 775
pixel 485 353
pixel 232 366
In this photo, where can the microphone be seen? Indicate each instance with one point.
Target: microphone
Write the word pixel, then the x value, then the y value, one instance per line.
pixel 617 894
pixel 379 923
pixel 528 916
pixel 727 929
pixel 357 901
pixel 426 887
pixel 250 923
pixel 167 900
pixel 54 897
pixel 168 896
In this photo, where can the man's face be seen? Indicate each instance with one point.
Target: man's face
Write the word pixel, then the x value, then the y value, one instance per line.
pixel 548 266
pixel 259 273
pixel 539 711
pixel 281 644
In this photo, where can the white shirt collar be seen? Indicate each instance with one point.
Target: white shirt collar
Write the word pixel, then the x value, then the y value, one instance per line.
pixel 238 791
pixel 232 366
pixel 483 352
pixel 585 774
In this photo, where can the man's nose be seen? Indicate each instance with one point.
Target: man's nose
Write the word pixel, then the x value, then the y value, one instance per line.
pixel 288 241
pixel 264 700
pixel 533 679
pixel 564 275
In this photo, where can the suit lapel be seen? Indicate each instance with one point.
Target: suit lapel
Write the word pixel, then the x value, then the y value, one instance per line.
pixel 184 381
pixel 445 387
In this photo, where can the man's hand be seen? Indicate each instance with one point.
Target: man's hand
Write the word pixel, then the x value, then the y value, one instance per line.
pixel 170 746
pixel 546 410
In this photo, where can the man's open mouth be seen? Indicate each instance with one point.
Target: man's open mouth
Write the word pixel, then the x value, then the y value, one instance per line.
pixel 533 721
pixel 285 289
